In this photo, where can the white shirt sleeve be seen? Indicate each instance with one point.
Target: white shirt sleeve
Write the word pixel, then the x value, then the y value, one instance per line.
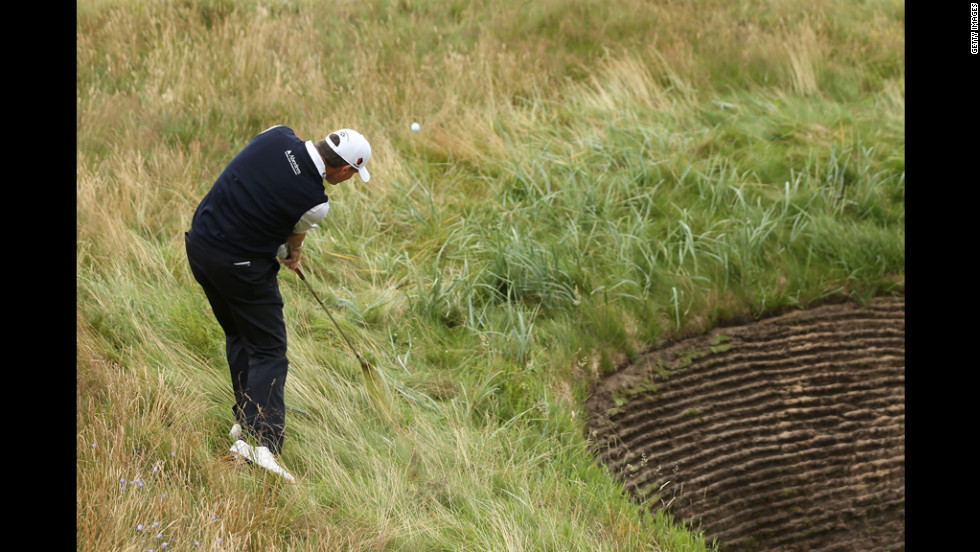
pixel 310 218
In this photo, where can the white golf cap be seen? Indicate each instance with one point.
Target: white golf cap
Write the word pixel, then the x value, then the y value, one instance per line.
pixel 354 149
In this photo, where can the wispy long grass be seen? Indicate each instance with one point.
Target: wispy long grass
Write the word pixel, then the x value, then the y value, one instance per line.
pixel 590 180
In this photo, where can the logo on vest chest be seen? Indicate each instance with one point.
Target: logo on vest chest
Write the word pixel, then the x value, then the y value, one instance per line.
pixel 292 161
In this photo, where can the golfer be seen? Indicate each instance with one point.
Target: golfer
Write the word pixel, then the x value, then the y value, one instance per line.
pixel 268 197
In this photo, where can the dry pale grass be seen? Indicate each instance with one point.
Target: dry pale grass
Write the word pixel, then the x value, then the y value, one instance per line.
pixel 804 55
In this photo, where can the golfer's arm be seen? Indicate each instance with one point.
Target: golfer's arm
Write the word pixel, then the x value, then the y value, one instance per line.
pixel 295 241
pixel 306 223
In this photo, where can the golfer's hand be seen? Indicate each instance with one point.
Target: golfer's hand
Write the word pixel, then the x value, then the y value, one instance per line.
pixel 292 261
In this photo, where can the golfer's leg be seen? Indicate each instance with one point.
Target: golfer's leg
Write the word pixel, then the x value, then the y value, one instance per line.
pixel 209 269
pixel 260 323
pixel 237 353
pixel 236 348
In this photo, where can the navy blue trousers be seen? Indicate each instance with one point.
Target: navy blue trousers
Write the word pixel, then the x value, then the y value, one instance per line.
pixel 244 295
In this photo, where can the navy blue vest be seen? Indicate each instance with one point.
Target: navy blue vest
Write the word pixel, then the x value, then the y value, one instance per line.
pixel 260 196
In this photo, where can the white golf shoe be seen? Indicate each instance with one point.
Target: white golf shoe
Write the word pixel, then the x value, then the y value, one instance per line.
pixel 260 456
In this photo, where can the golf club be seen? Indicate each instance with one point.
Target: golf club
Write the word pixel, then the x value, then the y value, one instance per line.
pixel 364 364
pixel 369 378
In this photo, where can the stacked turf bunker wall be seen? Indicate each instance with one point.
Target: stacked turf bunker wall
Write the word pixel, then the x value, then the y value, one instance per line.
pixel 786 434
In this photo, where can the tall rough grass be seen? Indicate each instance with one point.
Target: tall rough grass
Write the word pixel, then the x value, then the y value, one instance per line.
pixel 590 180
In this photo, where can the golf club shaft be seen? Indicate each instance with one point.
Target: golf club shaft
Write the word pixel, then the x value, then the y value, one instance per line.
pixel 374 391
pixel 325 309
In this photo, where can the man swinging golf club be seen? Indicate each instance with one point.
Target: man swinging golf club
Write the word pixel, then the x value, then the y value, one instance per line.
pixel 269 196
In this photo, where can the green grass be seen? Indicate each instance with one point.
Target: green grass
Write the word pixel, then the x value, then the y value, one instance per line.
pixel 590 180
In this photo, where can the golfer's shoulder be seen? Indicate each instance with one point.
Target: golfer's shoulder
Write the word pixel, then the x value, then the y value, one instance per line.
pixel 278 133
pixel 275 127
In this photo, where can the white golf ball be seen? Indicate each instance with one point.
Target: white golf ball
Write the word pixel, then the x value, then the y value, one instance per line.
pixel 415 127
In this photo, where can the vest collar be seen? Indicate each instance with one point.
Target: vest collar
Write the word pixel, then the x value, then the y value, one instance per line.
pixel 317 160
